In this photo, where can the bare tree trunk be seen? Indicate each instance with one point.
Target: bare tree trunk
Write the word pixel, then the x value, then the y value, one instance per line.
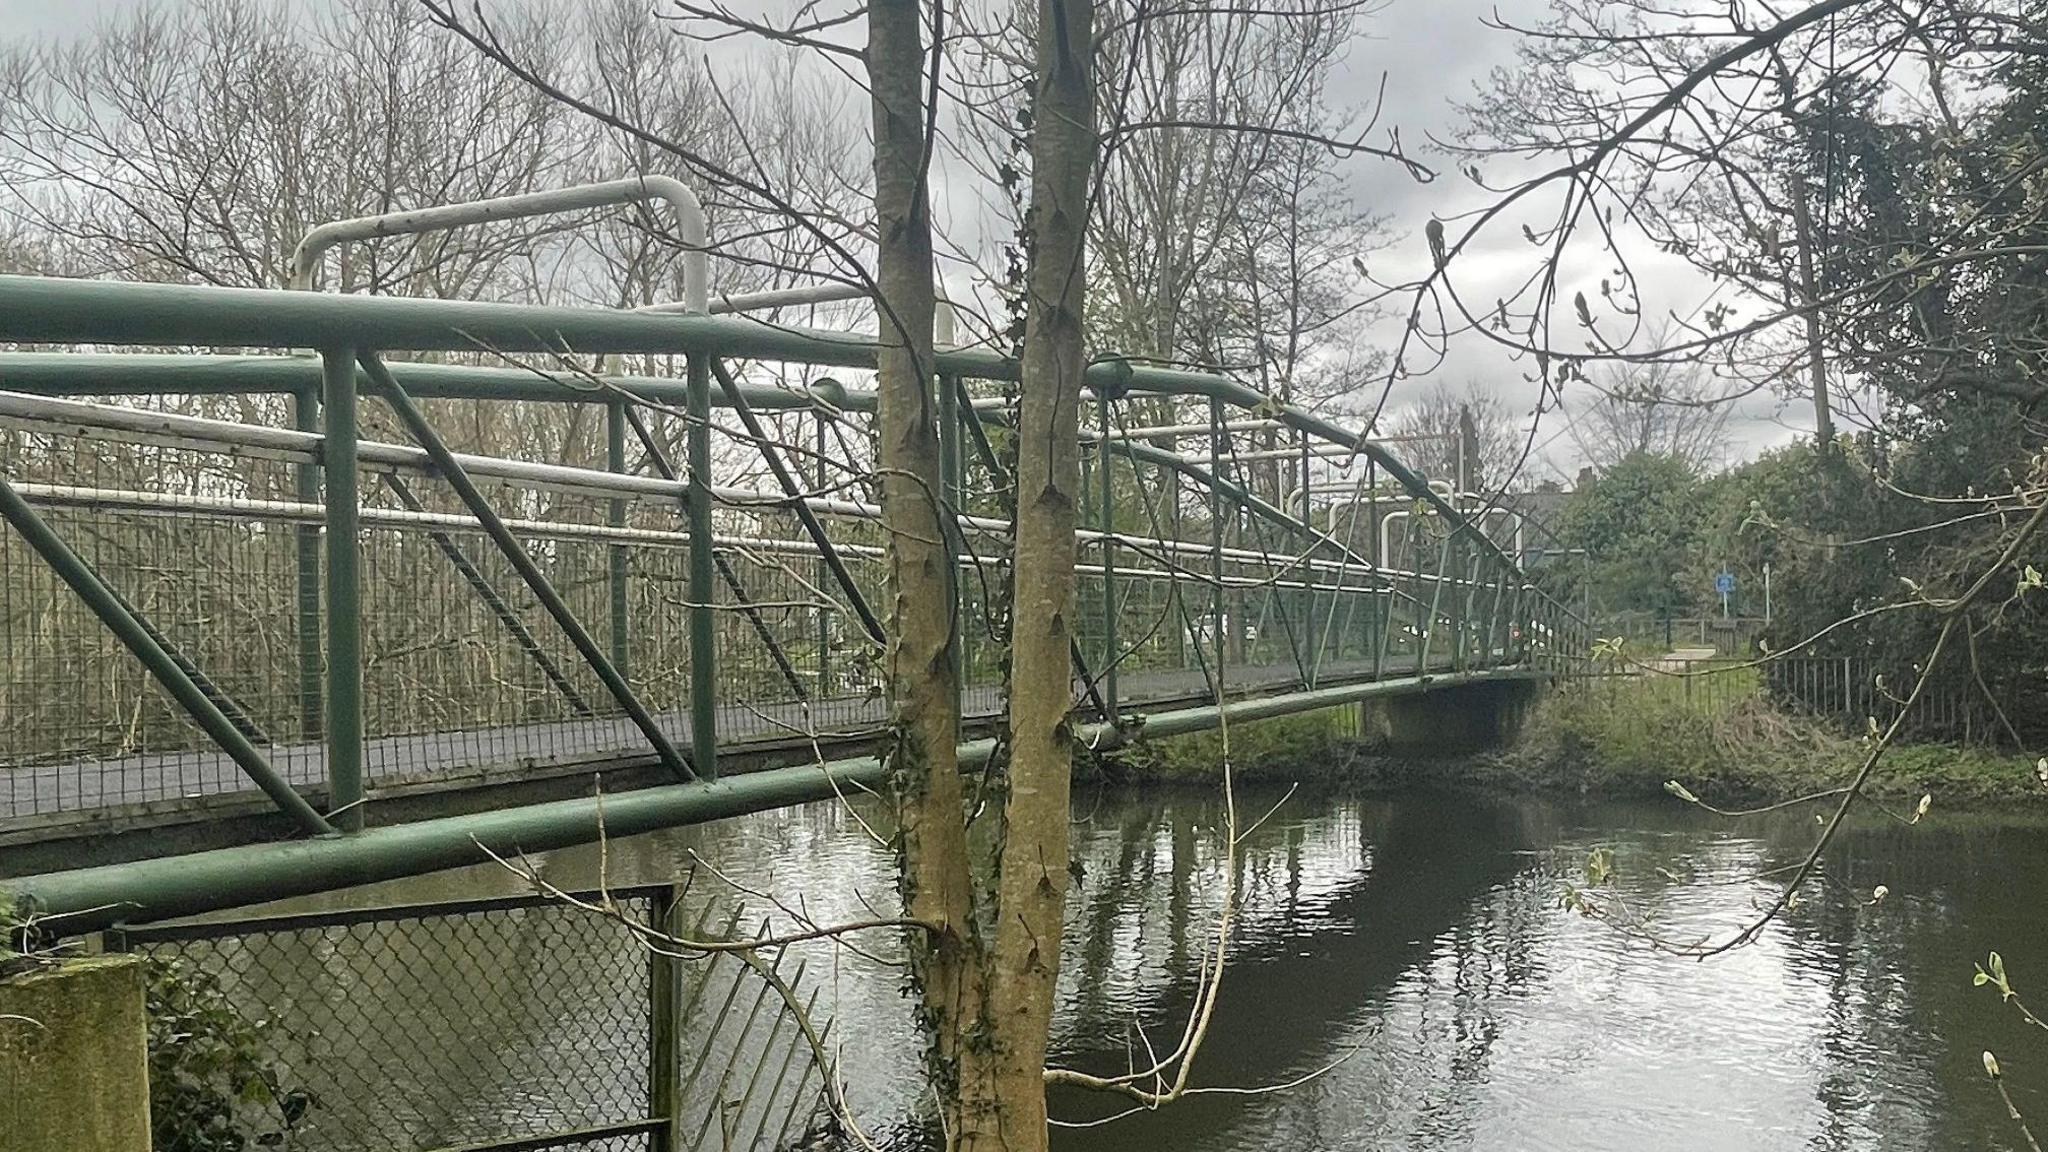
pixel 1809 284
pixel 1032 883
pixel 936 876
pixel 1816 354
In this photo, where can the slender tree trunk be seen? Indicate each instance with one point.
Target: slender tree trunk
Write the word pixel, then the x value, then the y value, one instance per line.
pixel 1816 352
pixel 1032 882
pixel 1809 282
pixel 936 876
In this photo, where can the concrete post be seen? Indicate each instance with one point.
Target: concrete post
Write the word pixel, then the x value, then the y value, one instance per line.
pixel 74 1061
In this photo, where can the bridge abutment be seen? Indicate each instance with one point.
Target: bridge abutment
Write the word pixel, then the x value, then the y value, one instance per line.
pixel 1450 720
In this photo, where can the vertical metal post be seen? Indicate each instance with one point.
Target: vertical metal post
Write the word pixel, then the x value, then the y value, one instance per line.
pixel 949 516
pixel 1085 517
pixel 824 689
pixel 1170 482
pixel 1374 625
pixel 664 1025
pixel 344 590
pixel 1496 623
pixel 1216 598
pixel 1436 599
pixel 703 574
pixel 306 480
pixel 1110 643
pixel 1308 572
pixel 1464 629
pixel 615 516
pixel 1517 642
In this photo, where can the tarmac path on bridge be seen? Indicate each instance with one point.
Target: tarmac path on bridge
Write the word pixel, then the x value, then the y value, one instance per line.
pixel 57 793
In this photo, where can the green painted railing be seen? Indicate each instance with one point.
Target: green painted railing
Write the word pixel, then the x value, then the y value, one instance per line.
pixel 453 543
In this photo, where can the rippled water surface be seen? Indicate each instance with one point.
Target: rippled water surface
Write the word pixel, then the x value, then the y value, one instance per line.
pixel 1417 949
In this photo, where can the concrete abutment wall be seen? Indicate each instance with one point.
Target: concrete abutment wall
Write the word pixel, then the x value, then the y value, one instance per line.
pixel 1448 721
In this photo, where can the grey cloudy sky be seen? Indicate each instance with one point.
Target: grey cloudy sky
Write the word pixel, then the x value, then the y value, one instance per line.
pixel 1431 53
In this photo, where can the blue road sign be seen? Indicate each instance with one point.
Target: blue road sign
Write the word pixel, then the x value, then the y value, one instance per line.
pixel 1724 583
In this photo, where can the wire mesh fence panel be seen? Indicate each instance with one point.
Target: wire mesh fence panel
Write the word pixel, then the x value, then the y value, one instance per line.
pixel 480 659
pixel 519 1021
pixel 792 664
pixel 462 665
pixel 87 726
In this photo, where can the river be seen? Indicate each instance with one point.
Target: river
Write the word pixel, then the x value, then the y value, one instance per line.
pixel 1415 949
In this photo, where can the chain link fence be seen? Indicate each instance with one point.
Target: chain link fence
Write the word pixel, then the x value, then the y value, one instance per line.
pixel 517 1023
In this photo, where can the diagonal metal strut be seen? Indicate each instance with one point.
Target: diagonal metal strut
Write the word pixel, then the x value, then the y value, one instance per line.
pixel 659 457
pixel 103 603
pixel 735 396
pixel 528 643
pixel 444 461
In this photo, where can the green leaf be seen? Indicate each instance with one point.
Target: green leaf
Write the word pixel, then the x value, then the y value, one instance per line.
pixel 1680 791
pixel 1599 867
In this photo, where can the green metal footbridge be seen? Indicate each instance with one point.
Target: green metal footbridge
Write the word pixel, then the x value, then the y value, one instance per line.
pixel 302 590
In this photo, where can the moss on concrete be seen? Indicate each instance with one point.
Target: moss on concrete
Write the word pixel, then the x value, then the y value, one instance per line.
pixel 74 1070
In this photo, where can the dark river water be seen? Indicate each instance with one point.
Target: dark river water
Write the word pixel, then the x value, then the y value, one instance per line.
pixel 1419 943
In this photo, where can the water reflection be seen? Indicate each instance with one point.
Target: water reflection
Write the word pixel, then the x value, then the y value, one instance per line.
pixel 1419 943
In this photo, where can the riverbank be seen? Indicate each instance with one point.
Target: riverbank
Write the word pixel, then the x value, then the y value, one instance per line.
pixel 1616 744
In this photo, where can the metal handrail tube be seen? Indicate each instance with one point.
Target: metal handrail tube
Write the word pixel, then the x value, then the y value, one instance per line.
pixel 44 310
pixel 294 512
pixel 158 373
pixel 245 507
pixel 562 477
pixel 689 217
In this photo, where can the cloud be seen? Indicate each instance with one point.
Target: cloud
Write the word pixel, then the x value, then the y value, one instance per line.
pixel 1416 60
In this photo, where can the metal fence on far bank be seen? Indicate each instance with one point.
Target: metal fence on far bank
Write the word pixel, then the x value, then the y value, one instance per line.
pixel 1847 692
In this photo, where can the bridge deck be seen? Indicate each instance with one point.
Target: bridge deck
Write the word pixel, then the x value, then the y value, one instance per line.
pixel 56 794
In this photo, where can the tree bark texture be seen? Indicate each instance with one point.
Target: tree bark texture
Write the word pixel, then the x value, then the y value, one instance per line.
pixel 1031 883
pixel 935 872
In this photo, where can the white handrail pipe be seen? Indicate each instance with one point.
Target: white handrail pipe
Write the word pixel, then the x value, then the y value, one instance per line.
pixel 690 226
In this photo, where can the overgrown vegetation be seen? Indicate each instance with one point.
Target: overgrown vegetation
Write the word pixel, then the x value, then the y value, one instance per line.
pixel 1611 739
pixel 1631 740
pixel 213 1085
pixel 1313 746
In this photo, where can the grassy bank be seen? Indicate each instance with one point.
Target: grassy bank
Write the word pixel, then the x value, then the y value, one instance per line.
pixel 1621 739
pixel 1631 740
pixel 1319 747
